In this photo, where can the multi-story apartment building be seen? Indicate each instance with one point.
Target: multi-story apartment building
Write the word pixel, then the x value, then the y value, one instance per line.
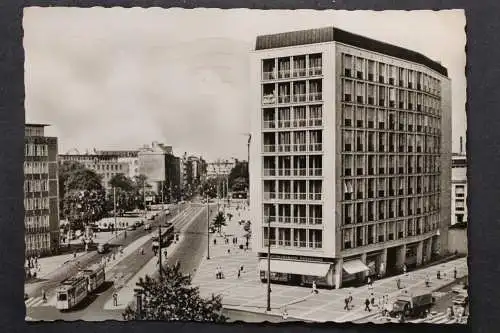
pixel 459 188
pixel 107 166
pixel 41 199
pixel 130 157
pixel 351 154
pixel 220 168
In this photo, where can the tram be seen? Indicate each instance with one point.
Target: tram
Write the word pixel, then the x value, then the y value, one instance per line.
pixel 167 236
pixel 71 292
pixel 95 275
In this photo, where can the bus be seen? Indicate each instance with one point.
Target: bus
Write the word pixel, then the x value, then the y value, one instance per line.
pixel 167 236
pixel 95 275
pixel 71 292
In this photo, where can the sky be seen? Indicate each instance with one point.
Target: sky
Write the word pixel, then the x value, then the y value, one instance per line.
pixel 121 78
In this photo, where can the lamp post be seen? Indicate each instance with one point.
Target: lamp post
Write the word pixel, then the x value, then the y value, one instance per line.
pixel 159 236
pixel 269 265
pixel 208 229
pixel 138 300
pixel 114 208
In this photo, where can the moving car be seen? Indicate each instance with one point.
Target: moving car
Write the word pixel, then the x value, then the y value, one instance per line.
pixel 413 303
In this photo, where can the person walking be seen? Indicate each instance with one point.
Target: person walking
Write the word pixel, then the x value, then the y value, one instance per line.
pixel 367 305
pixel 455 273
pixel 215 241
pixel 346 301
pixel 427 281
pixel 115 299
pixel 241 268
pixel 372 300
pixel 438 275
pixel 350 301
pixel 44 296
pixel 239 274
pixel 314 288
pixel 404 269
pixel 284 315
pixel 398 283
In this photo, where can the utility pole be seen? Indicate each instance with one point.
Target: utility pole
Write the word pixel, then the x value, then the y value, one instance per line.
pixel 159 252
pixel 114 209
pixel 269 265
pixel 208 228
pixel 248 167
pixel 144 196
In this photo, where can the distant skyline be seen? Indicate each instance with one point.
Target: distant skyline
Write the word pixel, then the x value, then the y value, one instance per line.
pixel 120 78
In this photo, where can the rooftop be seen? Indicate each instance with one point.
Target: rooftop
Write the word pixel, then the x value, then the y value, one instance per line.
pixel 331 34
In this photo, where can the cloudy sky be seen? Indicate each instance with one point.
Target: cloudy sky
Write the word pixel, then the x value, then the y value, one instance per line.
pixel 120 78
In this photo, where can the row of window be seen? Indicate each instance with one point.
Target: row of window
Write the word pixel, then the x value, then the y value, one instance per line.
pixel 36 224
pixel 31 149
pixel 36 203
pixel 370 70
pixel 388 120
pixel 296 66
pixel 374 210
pixel 362 164
pixel 372 141
pixel 391 186
pixel 39 185
pixel 105 167
pixel 304 91
pixel 37 242
pixel 297 116
pixel 293 237
pixel 36 168
pixel 33 131
pixel 358 92
pixel 387 231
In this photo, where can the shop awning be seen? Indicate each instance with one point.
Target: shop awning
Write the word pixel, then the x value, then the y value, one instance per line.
pixel 296 267
pixel 354 266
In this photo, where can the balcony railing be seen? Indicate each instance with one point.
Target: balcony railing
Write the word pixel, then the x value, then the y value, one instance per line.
pixel 283 99
pixel 269 75
pixel 299 123
pixel 269 218
pixel 316 122
pixel 269 124
pixel 284 148
pixel 315 71
pixel 297 98
pixel 269 172
pixel 315 245
pixel 299 196
pixel 315 96
pixel 299 219
pixel 315 147
pixel 315 220
pixel 284 219
pixel 284 195
pixel 299 147
pixel 269 99
pixel 269 195
pixel 299 172
pixel 269 148
pixel 299 72
pixel 315 171
pixel 284 172
pixel 284 123
pixel 314 196
pixel 284 74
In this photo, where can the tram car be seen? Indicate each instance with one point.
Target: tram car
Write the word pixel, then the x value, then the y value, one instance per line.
pixel 95 276
pixel 71 292
pixel 167 236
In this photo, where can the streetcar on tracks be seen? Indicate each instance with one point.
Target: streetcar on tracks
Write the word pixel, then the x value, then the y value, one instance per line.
pixel 167 236
pixel 75 289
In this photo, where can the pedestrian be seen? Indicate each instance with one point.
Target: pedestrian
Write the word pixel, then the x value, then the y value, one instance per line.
pixel 455 273
pixel 241 268
pixel 398 283
pixel 115 299
pixel 217 273
pixel 215 241
pixel 367 305
pixel 372 300
pixel 350 300
pixel 314 288
pixel 438 275
pixel 346 301
pixel 427 281
pixel 404 269
pixel 285 314
pixel 239 274
pixel 44 296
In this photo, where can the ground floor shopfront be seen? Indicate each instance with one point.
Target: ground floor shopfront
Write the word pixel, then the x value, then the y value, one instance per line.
pixel 349 270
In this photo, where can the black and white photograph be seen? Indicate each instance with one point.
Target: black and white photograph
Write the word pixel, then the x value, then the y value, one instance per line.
pixel 222 165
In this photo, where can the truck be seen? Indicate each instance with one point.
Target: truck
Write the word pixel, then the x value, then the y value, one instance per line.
pixel 412 303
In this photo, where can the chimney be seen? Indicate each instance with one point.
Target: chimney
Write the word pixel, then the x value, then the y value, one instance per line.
pixel 461 145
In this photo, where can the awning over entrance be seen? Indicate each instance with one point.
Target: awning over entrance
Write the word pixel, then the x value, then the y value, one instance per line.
pixel 354 266
pixel 296 267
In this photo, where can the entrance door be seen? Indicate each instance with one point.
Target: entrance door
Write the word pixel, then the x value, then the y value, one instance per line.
pixel 392 261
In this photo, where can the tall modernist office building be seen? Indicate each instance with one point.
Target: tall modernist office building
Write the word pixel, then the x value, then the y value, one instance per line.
pixel 351 156
pixel 41 217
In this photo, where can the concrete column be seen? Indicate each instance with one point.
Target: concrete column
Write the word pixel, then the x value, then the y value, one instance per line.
pixel 329 277
pixel 382 269
pixel 337 275
pixel 363 274
pixel 428 249
pixel 401 256
pixel 420 248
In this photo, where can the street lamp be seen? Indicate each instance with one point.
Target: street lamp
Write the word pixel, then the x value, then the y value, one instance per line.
pixel 208 228
pixel 269 264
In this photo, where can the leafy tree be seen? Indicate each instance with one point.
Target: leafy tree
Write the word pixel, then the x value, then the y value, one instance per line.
pixel 240 184
pixel 247 226
pixel 127 195
pixel 174 298
pixel 64 171
pixel 209 187
pixel 219 221
pixel 84 197
pixel 122 182
pixel 141 188
pixel 239 174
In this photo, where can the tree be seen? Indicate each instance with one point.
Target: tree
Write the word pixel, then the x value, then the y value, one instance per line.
pixel 240 184
pixel 126 194
pixel 64 171
pixel 219 221
pixel 239 172
pixel 122 182
pixel 174 298
pixel 141 189
pixel 84 197
pixel 209 187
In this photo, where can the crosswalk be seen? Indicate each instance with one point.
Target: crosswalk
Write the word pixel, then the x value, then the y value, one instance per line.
pixel 440 318
pixel 34 302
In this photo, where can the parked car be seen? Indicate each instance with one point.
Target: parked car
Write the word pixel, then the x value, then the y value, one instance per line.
pixel 460 300
pixel 131 227
pixel 102 248
pixel 459 289
pixel 139 223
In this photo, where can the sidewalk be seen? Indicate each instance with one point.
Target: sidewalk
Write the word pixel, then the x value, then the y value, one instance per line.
pixel 47 265
pixel 248 294
pixel 125 288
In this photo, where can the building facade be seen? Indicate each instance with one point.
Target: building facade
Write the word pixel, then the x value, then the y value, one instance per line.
pixel 41 198
pixel 220 168
pixel 107 166
pixel 459 189
pixel 351 156
pixel 129 157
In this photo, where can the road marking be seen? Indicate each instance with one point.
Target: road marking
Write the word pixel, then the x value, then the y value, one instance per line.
pixel 33 302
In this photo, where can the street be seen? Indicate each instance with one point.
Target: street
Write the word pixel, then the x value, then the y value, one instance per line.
pixel 189 253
